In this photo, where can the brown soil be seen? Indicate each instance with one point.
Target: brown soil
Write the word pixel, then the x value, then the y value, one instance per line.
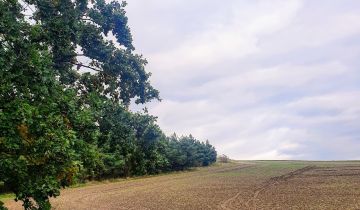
pixel 336 187
pixel 239 185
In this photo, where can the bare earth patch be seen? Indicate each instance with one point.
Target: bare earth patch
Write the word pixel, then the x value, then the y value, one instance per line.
pixel 237 185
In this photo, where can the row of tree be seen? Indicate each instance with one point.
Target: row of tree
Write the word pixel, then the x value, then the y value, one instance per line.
pixel 68 73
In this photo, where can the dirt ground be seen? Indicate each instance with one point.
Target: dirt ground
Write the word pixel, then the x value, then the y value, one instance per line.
pixel 237 185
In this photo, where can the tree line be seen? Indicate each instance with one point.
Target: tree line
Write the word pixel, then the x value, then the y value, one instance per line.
pixel 68 74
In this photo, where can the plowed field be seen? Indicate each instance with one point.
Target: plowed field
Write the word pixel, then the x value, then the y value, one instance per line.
pixel 236 185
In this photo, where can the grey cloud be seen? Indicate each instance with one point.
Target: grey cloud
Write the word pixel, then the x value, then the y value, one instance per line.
pixel 259 79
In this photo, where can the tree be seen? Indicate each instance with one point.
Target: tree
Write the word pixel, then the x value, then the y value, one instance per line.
pixel 68 73
pixel 35 138
pixel 46 103
pixel 186 151
pixel 94 37
pixel 224 159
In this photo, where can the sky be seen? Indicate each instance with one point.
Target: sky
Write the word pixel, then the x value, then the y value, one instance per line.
pixel 260 79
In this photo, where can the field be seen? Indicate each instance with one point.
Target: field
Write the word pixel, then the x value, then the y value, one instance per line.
pixel 236 185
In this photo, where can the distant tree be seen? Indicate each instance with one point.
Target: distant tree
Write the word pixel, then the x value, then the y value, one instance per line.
pixel 223 159
pixel 186 151
pixel 133 143
pixel 209 154
pixel 151 143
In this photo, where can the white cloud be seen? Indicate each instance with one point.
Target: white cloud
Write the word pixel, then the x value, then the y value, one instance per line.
pixel 259 79
pixel 232 38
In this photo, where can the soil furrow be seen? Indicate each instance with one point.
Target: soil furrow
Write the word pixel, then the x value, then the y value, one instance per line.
pixel 274 181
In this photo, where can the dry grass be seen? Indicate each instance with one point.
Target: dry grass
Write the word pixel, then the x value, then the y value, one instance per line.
pixel 236 185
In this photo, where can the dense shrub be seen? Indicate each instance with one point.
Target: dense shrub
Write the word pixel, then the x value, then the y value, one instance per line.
pixel 223 159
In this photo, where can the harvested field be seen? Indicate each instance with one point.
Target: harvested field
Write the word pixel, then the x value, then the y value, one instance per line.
pixel 236 185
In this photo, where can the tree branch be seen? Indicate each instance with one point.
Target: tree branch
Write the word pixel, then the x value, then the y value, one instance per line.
pixel 86 66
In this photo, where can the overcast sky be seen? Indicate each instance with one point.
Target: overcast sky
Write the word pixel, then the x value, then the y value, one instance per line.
pixel 269 79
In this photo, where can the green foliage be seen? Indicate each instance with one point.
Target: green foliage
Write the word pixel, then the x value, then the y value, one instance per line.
pixel 186 151
pixel 35 140
pixel 63 120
